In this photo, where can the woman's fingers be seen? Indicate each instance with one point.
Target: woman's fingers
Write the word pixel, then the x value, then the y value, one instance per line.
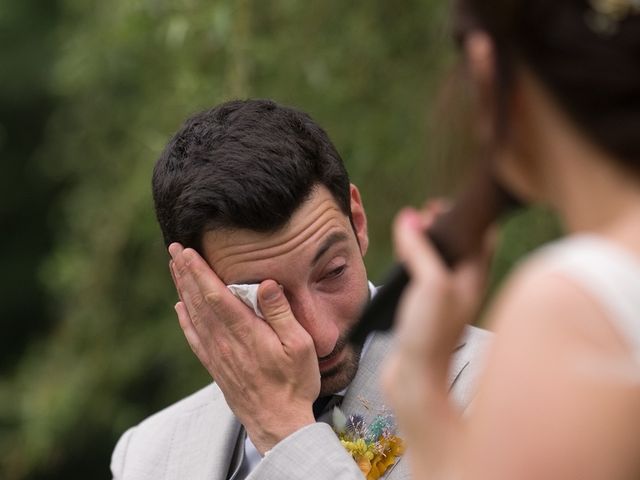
pixel 413 249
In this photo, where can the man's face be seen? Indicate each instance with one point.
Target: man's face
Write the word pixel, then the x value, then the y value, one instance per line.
pixel 318 259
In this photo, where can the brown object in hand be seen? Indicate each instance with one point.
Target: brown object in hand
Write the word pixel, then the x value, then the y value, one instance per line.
pixel 456 234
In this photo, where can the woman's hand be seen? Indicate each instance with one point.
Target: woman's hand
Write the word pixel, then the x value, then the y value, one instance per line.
pixel 432 313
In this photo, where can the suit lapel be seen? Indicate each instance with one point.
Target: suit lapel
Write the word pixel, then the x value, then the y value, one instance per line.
pixel 365 398
pixel 364 395
pixel 458 363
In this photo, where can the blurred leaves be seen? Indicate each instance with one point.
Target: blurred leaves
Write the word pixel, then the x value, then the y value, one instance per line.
pixel 112 81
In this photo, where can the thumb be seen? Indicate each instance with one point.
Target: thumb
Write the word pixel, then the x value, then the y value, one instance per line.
pixel 277 311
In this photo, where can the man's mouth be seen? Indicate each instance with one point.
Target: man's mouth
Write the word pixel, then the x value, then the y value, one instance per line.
pixel 331 360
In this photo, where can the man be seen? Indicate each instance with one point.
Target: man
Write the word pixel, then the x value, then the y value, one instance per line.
pixel 256 193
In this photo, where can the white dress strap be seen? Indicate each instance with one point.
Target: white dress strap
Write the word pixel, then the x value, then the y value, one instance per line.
pixel 608 272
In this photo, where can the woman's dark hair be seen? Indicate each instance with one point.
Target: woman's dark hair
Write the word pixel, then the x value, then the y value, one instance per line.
pixel 593 73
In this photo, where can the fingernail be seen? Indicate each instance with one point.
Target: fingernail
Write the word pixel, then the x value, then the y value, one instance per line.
pixel 271 292
pixel 174 270
pixel 409 218
pixel 173 250
pixel 188 256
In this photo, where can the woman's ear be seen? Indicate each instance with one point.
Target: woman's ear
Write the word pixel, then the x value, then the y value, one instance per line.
pixel 480 54
pixel 482 68
pixel 359 219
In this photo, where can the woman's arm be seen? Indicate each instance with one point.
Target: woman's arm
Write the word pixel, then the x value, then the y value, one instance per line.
pixel 560 396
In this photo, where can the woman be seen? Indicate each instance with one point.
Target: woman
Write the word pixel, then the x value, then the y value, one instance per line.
pixel 557 84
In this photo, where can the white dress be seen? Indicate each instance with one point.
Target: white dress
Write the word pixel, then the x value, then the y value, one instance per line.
pixel 607 272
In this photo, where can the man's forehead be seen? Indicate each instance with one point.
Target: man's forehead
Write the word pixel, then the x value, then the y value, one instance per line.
pixel 314 225
pixel 256 270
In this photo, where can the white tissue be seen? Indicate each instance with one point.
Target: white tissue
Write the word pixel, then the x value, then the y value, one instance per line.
pixel 248 293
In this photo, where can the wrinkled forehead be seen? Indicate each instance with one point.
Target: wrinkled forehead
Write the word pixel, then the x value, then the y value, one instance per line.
pixel 242 255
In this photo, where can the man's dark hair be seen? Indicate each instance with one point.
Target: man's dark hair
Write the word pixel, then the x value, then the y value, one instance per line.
pixel 243 164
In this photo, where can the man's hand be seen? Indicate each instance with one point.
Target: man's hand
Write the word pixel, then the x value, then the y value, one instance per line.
pixel 267 369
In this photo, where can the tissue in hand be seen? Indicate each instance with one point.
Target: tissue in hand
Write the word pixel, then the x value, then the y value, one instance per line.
pixel 248 293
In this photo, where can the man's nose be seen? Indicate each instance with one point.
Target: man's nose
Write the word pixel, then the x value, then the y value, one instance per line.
pixel 318 324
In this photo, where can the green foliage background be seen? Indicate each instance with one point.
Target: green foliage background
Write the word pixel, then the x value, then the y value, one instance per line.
pixel 89 93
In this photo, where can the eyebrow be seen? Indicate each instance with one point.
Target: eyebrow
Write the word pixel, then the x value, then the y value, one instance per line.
pixel 329 242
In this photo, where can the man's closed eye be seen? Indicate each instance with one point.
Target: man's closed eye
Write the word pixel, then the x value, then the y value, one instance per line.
pixel 335 273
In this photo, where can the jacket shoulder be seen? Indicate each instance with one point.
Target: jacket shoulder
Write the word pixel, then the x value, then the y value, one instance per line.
pixel 147 444
pixel 203 397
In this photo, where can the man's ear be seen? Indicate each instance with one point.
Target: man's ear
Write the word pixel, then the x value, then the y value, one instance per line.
pixel 359 219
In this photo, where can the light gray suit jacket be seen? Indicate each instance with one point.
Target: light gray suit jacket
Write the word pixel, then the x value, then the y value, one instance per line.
pixel 199 438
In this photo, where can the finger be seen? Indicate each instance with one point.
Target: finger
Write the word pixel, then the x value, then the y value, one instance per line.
pixel 187 287
pixel 175 249
pixel 277 312
pixel 412 247
pixel 389 377
pixel 436 206
pixel 472 276
pixel 191 334
pixel 177 271
pixel 172 267
pixel 204 290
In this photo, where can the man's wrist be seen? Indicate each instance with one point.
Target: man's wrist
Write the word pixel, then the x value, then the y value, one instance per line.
pixel 264 439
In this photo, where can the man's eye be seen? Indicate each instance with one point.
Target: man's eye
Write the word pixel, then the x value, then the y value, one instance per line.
pixel 336 272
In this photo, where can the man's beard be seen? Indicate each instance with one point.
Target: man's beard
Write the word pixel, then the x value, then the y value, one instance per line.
pixel 340 376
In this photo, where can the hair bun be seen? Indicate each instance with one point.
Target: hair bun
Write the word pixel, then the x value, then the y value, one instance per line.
pixel 605 16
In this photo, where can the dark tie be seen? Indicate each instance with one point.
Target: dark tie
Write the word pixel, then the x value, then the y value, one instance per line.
pixel 325 404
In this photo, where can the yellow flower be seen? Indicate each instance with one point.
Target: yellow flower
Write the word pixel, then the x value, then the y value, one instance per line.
pixel 393 448
pixel 373 447
pixel 364 464
pixel 373 459
pixel 357 448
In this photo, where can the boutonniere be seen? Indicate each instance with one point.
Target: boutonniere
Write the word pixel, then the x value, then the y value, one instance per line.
pixel 374 447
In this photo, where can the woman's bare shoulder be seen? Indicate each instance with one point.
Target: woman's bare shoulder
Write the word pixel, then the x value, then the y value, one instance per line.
pixel 539 301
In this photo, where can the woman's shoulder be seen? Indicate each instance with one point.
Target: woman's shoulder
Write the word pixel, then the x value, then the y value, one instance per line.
pixel 585 253
pixel 580 285
pixel 599 267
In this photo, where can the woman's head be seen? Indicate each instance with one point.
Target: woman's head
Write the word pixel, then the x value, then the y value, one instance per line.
pixel 585 53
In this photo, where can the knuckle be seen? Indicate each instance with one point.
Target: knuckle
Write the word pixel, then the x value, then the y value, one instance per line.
pixel 180 270
pixel 278 311
pixel 196 320
pixel 301 344
pixel 307 343
pixel 213 298
pixel 241 330
pixel 278 307
pixel 224 349
pixel 197 301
